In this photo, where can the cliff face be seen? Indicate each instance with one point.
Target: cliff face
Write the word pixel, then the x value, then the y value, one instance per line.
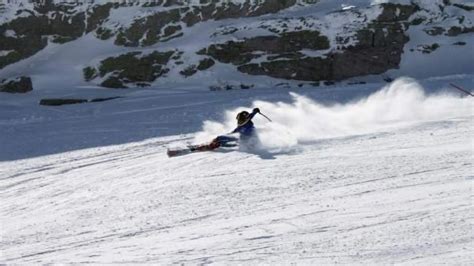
pixel 35 23
pixel 290 39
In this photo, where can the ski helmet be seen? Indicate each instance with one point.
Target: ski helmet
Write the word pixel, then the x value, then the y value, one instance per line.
pixel 242 117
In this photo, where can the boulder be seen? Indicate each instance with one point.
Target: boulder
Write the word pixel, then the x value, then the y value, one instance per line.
pixel 58 102
pixel 18 85
pixel 113 83
pixel 130 68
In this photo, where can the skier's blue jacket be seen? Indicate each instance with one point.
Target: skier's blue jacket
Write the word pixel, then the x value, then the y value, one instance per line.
pixel 246 130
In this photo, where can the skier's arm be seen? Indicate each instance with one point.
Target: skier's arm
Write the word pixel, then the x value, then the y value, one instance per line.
pixel 254 112
pixel 235 130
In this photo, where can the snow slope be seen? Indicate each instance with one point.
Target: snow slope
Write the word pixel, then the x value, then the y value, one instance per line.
pixel 396 189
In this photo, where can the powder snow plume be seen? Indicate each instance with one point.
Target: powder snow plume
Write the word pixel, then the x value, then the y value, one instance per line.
pixel 401 103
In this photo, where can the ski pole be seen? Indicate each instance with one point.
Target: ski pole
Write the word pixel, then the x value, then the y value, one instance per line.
pixel 461 89
pixel 265 117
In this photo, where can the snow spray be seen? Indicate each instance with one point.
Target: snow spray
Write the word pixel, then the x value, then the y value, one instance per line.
pixel 401 103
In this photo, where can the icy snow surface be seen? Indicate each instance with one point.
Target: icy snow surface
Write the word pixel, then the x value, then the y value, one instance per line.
pixel 331 182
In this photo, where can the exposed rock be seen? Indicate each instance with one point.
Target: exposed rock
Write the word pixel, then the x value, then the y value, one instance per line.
pixel 246 86
pixel 417 21
pixel 427 49
pixel 113 83
pixel 435 31
pixel 205 64
pixel 97 16
pixel 311 68
pixel 103 33
pixel 90 73
pixel 32 31
pixel 455 30
pixel 397 12
pixel 172 29
pixel 58 102
pixel 96 100
pixel 189 71
pixel 61 39
pixel 18 85
pixel 149 27
pixel 232 52
pixel 130 68
pixel 227 87
pixel 290 43
pixel 162 26
pixel 465 7
pixel 379 49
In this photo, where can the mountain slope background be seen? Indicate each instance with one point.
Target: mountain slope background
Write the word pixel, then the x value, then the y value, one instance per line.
pixel 232 44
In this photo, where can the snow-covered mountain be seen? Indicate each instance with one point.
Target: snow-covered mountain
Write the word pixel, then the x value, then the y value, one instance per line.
pixel 218 44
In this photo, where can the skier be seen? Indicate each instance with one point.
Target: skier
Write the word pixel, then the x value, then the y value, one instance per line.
pixel 244 127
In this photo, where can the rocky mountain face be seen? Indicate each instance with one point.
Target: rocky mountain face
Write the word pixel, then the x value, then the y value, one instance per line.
pixel 18 85
pixel 282 39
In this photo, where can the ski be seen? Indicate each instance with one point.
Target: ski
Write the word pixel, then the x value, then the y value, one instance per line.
pixel 190 149
pixel 213 146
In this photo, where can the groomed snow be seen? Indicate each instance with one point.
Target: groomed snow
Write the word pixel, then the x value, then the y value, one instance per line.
pixel 392 190
pixel 360 174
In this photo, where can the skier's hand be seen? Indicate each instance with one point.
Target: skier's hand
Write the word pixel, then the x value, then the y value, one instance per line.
pixel 256 110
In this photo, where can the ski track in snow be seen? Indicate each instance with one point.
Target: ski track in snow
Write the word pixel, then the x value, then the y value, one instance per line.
pixel 403 196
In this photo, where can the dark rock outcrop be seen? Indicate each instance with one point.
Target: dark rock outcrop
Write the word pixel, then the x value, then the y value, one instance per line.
pixel 18 85
pixel 113 82
pixel 379 48
pixel 285 45
pixel 28 34
pixel 163 25
pixel 189 71
pixel 150 27
pixel 130 68
pixel 97 16
pixel 58 102
pixel 455 30
pixel 205 64
pixel 62 101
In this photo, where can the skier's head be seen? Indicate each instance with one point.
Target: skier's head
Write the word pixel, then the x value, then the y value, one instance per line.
pixel 242 117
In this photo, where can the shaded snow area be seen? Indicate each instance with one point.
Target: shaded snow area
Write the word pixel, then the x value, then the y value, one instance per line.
pixel 367 174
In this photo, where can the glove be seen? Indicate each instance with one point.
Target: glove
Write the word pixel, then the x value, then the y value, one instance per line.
pixel 256 110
